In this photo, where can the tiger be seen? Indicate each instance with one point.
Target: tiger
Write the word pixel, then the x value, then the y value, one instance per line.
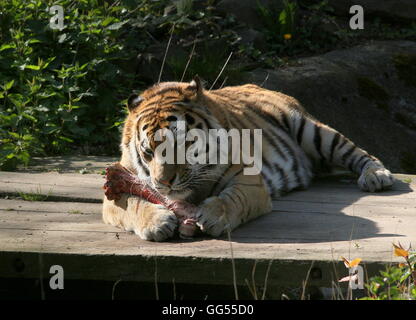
pixel 294 144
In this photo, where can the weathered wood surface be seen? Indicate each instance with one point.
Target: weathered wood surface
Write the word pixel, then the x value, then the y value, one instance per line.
pixel 69 164
pixel 331 219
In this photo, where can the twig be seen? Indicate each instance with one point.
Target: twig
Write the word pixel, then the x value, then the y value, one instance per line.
pixel 349 290
pixel 304 284
pixel 166 53
pixel 265 80
pixel 219 75
pixel 253 272
pixel 174 288
pixel 266 278
pixel 223 83
pixel 336 273
pixel 189 61
pixel 114 289
pixel 156 286
pixel 233 266
pixel 252 286
pixel 42 289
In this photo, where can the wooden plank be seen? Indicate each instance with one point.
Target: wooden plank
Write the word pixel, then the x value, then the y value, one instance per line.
pixel 348 180
pixel 197 262
pixel 329 220
pixel 49 206
pixel 295 229
pixel 70 186
pixel 67 164
pixel 87 187
pixel 160 269
pixel 320 194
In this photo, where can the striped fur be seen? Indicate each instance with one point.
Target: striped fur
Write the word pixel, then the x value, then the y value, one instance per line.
pixel 292 142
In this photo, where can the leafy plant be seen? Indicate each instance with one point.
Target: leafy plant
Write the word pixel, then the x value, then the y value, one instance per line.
pixel 278 23
pixel 396 282
pixel 63 91
pixel 297 29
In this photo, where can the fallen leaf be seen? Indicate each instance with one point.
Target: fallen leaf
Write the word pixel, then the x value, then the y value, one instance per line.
pixel 349 278
pixel 351 264
pixel 346 262
pixel 400 252
pixel 355 262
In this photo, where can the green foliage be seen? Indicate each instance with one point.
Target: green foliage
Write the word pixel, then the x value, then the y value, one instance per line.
pixel 395 283
pixel 203 41
pixel 310 27
pixel 207 62
pixel 292 31
pixel 61 89
pixel 278 23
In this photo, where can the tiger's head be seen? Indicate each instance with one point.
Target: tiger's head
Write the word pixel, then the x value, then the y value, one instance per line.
pixel 169 106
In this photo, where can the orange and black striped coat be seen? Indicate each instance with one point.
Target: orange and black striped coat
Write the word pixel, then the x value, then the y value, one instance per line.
pixel 292 143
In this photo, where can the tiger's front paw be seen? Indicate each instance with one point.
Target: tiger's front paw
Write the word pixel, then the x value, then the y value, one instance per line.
pixel 160 225
pixel 211 217
pixel 375 179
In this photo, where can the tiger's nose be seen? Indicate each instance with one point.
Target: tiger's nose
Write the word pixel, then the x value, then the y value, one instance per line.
pixel 167 182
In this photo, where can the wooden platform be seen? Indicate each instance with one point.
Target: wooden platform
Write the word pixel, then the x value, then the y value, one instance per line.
pixel 306 229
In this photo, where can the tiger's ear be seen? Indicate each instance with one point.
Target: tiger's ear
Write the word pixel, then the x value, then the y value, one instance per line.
pixel 196 85
pixel 133 101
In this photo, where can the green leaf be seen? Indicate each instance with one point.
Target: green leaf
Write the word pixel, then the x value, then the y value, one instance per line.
pixel 14 135
pixel 16 99
pixel 7 46
pixel 282 17
pixel 117 25
pixel 8 85
pixel 31 66
pixel 65 139
pixel 29 117
pixel 107 21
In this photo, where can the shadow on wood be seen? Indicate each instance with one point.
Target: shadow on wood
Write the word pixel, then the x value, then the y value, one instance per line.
pixel 326 214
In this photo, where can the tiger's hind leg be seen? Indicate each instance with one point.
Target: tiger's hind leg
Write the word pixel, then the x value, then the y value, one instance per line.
pixel 323 143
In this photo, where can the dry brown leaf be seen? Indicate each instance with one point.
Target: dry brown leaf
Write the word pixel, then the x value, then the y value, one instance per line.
pixel 351 264
pixel 399 251
pixel 355 262
pixel 346 262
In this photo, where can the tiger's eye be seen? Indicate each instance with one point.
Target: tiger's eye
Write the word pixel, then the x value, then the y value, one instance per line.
pixel 147 152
